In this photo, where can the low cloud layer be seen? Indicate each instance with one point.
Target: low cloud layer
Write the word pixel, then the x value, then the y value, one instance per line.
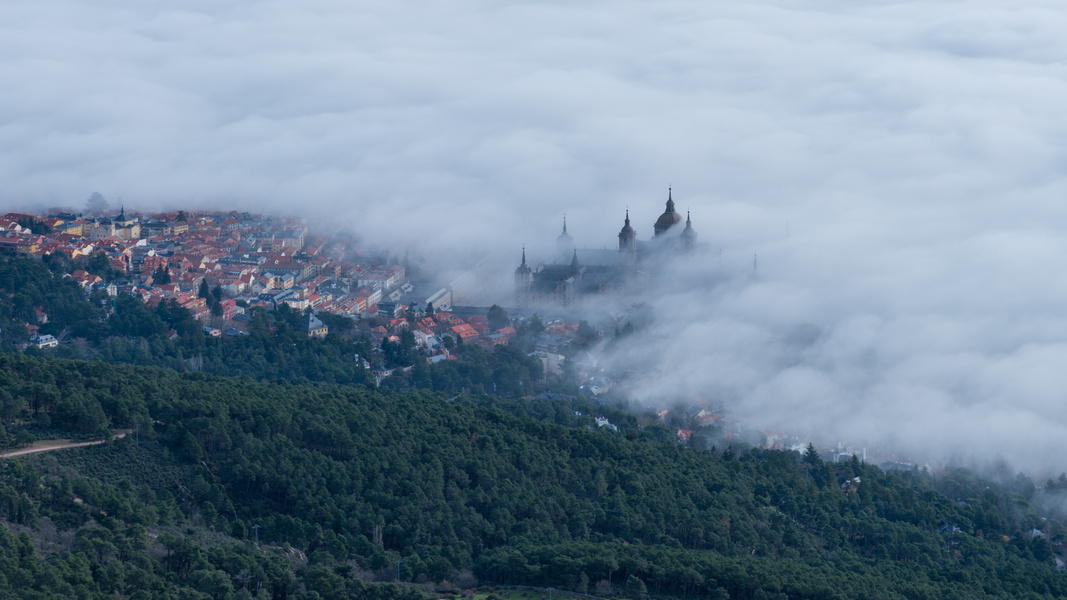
pixel 898 168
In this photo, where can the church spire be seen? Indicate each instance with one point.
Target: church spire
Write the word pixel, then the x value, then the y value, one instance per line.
pixel 689 235
pixel 627 241
pixel 523 280
pixel 574 262
pixel 564 242
pixel 524 269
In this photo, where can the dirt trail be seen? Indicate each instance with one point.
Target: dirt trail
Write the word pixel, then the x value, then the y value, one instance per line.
pixel 48 445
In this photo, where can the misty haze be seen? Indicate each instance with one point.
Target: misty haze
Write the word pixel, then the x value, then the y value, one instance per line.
pixel 821 221
pixel 896 169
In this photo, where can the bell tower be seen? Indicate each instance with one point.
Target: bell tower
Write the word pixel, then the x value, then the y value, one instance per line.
pixel 627 243
pixel 564 243
pixel 523 281
pixel 689 235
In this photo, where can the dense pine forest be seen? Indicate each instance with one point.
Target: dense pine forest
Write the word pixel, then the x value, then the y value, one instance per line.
pixel 278 470
pixel 345 481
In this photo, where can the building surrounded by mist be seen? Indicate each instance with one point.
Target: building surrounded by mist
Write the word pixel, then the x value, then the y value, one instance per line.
pixel 576 273
pixel 127 228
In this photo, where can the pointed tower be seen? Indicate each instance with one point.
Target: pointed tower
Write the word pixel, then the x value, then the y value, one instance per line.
pixel 564 243
pixel 669 218
pixel 523 281
pixel 627 243
pixel 689 235
pixel 576 269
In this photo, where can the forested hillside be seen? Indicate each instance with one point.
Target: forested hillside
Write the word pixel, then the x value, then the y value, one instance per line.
pixel 124 330
pixel 345 482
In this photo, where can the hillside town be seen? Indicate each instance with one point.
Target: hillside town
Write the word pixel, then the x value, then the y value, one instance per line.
pixel 220 264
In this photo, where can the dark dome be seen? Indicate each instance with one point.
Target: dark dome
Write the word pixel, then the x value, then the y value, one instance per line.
pixel 669 218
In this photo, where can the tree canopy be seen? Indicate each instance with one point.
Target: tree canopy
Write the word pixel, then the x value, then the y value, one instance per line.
pixel 349 474
pixel 472 469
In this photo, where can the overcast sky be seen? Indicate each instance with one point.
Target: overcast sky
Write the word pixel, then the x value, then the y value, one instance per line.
pixel 897 166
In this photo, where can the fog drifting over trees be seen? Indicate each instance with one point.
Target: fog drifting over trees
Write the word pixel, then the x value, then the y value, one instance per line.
pixel 897 167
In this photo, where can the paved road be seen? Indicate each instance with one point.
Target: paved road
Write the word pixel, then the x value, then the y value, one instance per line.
pixel 46 447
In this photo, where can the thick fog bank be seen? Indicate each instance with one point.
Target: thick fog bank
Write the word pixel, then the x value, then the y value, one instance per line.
pixel 897 167
pixel 956 361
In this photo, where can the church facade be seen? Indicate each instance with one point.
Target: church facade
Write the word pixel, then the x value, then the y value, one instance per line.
pixel 589 272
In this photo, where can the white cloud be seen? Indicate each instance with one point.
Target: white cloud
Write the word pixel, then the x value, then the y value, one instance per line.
pixel 913 151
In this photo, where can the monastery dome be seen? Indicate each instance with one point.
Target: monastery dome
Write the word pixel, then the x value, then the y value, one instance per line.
pixel 669 218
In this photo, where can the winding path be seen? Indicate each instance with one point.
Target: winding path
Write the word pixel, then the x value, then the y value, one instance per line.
pixel 49 445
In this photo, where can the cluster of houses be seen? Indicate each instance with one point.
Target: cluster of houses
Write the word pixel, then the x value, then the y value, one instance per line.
pixel 253 259
pixel 699 415
pixel 430 330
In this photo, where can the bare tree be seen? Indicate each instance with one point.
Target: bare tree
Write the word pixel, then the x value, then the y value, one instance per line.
pixel 466 580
